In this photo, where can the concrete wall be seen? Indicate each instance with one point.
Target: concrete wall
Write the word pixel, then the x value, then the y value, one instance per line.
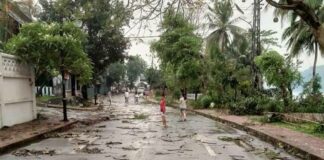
pixel 17 98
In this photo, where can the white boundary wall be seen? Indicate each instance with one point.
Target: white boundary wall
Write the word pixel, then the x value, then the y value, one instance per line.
pixel 17 98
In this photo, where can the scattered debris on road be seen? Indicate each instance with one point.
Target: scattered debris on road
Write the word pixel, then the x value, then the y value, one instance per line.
pixel 27 152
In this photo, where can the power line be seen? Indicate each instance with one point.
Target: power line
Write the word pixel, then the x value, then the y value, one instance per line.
pixel 155 36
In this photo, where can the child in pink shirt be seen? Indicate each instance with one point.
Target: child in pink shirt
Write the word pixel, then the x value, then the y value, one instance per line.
pixel 163 109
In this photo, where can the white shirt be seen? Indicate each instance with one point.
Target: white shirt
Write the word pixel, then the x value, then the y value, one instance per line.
pixel 183 103
pixel 126 94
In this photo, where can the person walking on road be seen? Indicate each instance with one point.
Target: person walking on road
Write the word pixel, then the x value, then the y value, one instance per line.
pixel 126 96
pixel 163 110
pixel 183 108
pixel 109 97
pixel 136 97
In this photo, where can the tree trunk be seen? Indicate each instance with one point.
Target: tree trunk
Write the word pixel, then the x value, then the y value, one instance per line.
pixel 290 93
pixel 284 97
pixel 73 85
pixel 315 60
pixel 84 92
pixel 307 14
pixel 319 34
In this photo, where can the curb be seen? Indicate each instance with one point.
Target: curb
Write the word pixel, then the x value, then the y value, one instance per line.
pixel 39 136
pixel 61 107
pixel 290 148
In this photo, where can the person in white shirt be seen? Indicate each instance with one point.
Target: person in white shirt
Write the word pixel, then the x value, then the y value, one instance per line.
pixel 109 97
pixel 183 108
pixel 126 96
pixel 136 97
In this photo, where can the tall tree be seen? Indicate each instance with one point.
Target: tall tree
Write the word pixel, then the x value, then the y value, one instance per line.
pixel 279 73
pixel 153 77
pixel 135 67
pixel 179 51
pixel 41 44
pixel 116 72
pixel 102 22
pixel 299 35
pixel 306 13
pixel 223 25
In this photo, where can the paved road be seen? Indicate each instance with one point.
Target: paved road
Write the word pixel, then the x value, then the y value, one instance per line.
pixel 135 132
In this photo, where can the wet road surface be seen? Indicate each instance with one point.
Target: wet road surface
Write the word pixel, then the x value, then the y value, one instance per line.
pixel 135 132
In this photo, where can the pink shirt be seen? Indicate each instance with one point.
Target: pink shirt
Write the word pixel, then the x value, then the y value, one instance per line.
pixel 162 105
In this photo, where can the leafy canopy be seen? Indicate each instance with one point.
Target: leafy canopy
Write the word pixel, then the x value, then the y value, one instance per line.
pixel 43 46
pixel 179 51
pixel 153 77
pixel 116 72
pixel 276 71
pixel 101 20
pixel 135 67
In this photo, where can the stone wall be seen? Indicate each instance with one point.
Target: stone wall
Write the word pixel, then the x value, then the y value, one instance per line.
pixel 297 117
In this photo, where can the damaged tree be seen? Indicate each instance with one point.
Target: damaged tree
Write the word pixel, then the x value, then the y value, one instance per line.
pixel 306 14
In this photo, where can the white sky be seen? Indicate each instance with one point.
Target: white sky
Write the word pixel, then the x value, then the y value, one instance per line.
pixel 142 48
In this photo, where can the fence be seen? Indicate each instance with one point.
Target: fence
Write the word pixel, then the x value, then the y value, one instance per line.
pixel 17 98
pixel 45 91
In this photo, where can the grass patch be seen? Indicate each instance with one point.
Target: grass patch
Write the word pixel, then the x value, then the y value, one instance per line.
pixel 306 127
pixel 140 116
pixel 260 119
pixel 44 99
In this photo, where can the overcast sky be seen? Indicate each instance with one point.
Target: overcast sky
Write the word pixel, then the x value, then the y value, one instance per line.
pixel 142 48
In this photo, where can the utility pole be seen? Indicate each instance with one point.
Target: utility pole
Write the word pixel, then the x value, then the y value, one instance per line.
pixel 256 44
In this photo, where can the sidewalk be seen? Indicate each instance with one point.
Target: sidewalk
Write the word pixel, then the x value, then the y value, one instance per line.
pixel 297 143
pixel 22 134
pixel 308 147
pixel 45 105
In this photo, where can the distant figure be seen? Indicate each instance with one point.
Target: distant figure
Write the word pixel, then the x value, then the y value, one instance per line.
pixel 136 97
pixel 109 97
pixel 183 108
pixel 163 110
pixel 126 96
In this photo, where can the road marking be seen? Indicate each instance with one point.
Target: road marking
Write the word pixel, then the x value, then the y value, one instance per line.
pixel 202 139
pixel 81 147
pixel 209 150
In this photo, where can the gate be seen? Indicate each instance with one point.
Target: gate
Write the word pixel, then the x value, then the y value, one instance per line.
pixel 17 97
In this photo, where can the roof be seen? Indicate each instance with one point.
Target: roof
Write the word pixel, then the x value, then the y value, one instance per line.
pixel 16 13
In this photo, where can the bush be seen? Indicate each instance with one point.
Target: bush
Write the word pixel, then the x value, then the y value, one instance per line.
pixel 205 101
pixel 311 104
pixel 176 94
pixel 195 104
pixel 274 117
pixel 247 106
pixel 236 108
pixel 270 105
pixel 319 128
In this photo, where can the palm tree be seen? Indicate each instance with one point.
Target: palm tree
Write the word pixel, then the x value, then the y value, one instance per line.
pixel 300 36
pixel 223 25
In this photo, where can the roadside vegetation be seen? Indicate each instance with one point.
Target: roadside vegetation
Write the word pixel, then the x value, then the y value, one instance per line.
pixel 210 54
pixel 228 73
